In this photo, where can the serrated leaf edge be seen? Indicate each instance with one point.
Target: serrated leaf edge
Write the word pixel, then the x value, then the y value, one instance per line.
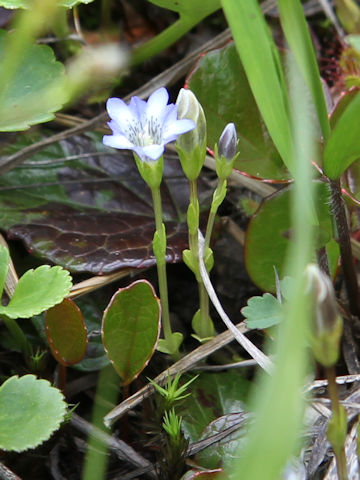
pixel 56 423
pixel 4 310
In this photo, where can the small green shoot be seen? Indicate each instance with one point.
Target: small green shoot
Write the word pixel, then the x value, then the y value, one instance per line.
pixel 172 425
pixel 172 393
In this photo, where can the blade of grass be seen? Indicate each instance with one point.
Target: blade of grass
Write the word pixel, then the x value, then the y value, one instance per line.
pixel 297 34
pixel 262 64
pixel 278 401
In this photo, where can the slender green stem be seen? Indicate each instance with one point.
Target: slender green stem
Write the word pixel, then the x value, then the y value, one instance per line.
pixel 18 335
pixel 166 38
pixel 106 14
pixel 60 24
pixel 206 327
pixel 161 268
pixel 335 406
pixel 209 228
pixel 212 214
pixel 193 234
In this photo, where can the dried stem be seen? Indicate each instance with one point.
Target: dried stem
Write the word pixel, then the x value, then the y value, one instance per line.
pixel 345 247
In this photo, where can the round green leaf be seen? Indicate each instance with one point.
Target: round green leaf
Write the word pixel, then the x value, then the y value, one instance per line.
pixel 66 332
pixel 28 3
pixel 30 411
pixel 220 83
pixel 269 235
pixel 37 291
pixel 35 91
pixel 263 312
pixel 130 328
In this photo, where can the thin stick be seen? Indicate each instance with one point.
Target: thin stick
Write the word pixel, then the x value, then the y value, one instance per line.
pixel 121 449
pixel 6 474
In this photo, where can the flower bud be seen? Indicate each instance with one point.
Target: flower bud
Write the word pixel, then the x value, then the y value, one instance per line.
pixel 225 152
pixel 327 324
pixel 191 146
pixel 228 142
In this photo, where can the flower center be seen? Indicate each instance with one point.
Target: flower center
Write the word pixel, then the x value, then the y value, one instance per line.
pixel 146 132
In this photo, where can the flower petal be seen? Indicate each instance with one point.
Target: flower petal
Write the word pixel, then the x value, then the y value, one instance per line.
pixel 177 128
pixel 115 127
pixel 154 152
pixel 171 114
pixel 157 103
pixel 120 112
pixel 118 141
pixel 138 107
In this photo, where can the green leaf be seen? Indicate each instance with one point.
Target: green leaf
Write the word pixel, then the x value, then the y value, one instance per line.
pixel 343 145
pixel 223 452
pixel 213 395
pixel 194 8
pixel 28 3
pixel 4 266
pixel 95 358
pixel 220 84
pixel 353 41
pixel 286 285
pixel 30 411
pixel 130 328
pixel 262 64
pixel 37 291
pixel 66 332
pixel 171 347
pixel 297 34
pixel 263 312
pixel 269 235
pixel 95 213
pixel 39 76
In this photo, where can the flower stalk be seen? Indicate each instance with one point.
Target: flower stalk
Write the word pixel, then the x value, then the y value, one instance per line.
pixel 202 323
pixel 145 128
pixel 171 340
pixel 325 342
pixel 337 428
pixel 191 148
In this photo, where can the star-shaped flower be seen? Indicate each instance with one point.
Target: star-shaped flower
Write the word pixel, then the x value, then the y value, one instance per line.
pixel 145 127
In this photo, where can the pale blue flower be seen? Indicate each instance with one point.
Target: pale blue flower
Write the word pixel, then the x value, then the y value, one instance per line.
pixel 145 127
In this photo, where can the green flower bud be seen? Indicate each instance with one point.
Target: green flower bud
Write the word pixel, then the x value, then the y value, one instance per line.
pixel 327 324
pixel 191 146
